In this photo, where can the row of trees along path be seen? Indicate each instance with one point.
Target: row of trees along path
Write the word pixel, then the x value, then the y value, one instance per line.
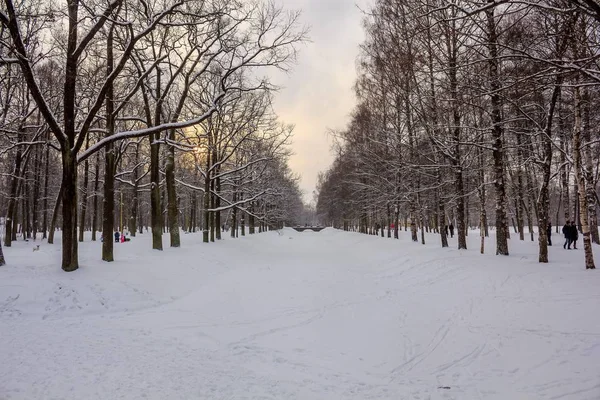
pixel 140 113
pixel 468 106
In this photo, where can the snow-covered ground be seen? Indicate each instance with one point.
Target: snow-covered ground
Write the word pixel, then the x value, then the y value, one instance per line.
pixel 329 315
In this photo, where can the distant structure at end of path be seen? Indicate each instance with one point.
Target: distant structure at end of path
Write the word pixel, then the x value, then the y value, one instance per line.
pixel 308 228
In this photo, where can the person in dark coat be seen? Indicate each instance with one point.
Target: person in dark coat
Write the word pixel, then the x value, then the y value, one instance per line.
pixel 549 233
pixel 574 235
pixel 117 237
pixel 451 230
pixel 566 230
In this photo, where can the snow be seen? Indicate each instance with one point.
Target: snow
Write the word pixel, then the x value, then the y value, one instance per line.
pixel 288 315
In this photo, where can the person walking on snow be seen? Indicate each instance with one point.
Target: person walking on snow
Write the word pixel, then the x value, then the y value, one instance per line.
pixel 566 230
pixel 574 233
pixel 549 233
pixel 451 230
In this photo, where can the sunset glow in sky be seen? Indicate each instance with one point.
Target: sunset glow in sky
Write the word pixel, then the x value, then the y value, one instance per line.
pixel 317 93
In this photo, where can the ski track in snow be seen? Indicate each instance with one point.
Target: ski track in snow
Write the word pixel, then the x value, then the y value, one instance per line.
pixel 329 315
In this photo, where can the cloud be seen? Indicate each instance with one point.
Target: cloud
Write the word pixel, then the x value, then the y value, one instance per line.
pixel 318 94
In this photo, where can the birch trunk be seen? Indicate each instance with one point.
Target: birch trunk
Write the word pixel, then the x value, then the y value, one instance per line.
pixel 580 178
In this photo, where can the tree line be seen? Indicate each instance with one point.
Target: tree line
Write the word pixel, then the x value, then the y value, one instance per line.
pixel 123 115
pixel 479 113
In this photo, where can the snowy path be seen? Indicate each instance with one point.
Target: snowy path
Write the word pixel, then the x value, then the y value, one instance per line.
pixel 328 315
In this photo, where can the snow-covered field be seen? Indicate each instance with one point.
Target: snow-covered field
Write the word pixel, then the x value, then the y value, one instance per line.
pixel 329 315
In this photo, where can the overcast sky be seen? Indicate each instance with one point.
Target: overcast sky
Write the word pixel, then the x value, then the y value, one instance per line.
pixel 317 94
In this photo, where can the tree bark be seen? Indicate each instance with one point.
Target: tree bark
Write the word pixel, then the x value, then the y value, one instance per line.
pixel 212 213
pixel 544 198
pixel 580 178
pixel 2 259
pixel 217 205
pixel 251 222
pixel 520 202
pixel 194 216
pixel 133 219
pixel 396 220
pixel 497 133
pixel 12 200
pixel 95 201
pixel 155 207
pixel 70 261
pixel 46 175
pixel 173 212
pixel 84 195
pixel 206 228
pixel 242 217
pixel 36 191
pixel 234 216
pixel 456 137
pixel 52 227
pixel 564 175
pixel 588 169
pixel 108 202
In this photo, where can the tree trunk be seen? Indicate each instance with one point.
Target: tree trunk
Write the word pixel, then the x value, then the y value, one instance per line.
pixel 212 213
pixel 155 209
pixel 456 137
pixel 12 200
pixel 544 197
pixel 564 175
pixel 482 232
pixel 421 216
pixel 520 202
pixel 206 228
pixel 194 220
pixel 580 178
pixel 413 222
pixel 442 223
pixel 441 212
pixel 173 212
pixel 396 220
pixel 217 205
pixel 135 201
pixel 95 201
pixel 588 170
pixel 530 217
pixel 57 204
pixel 234 216
pixel 46 174
pixel 84 195
pixel 497 133
pixel 2 259
pixel 251 222
pixel 242 217
pixel 481 191
pixel 156 220
pixel 36 192
pixel 389 221
pixel 70 261
pixel 26 208
pixel 108 202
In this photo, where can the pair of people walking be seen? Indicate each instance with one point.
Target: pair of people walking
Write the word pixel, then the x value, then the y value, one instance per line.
pixel 571 235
